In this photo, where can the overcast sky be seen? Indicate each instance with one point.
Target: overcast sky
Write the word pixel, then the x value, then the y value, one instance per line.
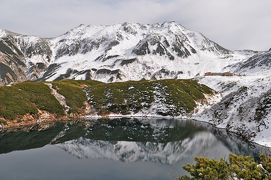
pixel 234 24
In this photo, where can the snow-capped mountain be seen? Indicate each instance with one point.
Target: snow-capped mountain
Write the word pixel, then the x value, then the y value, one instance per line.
pixel 121 52
pixel 22 57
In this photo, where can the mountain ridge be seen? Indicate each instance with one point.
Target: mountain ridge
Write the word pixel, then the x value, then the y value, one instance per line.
pixel 115 50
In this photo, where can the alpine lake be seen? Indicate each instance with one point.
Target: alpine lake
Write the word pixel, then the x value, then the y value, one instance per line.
pixel 121 148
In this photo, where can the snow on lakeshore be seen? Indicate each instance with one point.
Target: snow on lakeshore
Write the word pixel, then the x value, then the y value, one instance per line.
pixel 258 88
pixel 264 137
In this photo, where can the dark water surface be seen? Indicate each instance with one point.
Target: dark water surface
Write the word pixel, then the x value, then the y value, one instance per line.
pixel 113 149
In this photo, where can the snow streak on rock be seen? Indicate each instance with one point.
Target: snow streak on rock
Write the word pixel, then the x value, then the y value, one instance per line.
pixel 59 97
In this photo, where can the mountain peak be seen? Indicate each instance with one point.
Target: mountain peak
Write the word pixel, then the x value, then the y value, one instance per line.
pixel 171 24
pixel 167 24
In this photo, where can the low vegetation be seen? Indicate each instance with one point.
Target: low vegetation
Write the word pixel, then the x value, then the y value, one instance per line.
pixel 27 98
pixel 170 97
pixel 73 94
pixel 238 167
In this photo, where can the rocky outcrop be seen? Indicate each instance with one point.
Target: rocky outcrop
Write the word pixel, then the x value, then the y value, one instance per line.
pixel 12 62
pixel 259 64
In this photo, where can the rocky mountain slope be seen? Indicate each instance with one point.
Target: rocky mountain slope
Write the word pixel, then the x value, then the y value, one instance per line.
pixel 244 106
pixel 258 65
pixel 12 64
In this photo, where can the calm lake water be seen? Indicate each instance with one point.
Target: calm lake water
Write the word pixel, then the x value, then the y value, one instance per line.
pixel 113 149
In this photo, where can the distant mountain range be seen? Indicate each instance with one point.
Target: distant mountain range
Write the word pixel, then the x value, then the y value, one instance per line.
pixel 112 53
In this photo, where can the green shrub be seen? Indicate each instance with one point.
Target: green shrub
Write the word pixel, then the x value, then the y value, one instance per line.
pixel 238 167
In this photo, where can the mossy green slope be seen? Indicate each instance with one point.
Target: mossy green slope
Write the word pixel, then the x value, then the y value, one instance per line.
pixel 171 97
pixel 27 98
pixel 166 97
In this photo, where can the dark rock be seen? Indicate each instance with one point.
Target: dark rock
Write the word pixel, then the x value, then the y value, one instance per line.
pixel 128 61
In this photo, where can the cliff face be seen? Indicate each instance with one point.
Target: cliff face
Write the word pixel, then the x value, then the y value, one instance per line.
pixel 12 62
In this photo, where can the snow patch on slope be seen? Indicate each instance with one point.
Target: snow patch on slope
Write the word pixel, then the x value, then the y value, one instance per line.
pixel 60 98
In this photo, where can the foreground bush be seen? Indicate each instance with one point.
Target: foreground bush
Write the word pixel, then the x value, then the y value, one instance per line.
pixel 238 167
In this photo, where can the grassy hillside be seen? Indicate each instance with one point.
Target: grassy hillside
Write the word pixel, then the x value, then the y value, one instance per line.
pixel 165 97
pixel 27 98
pixel 170 97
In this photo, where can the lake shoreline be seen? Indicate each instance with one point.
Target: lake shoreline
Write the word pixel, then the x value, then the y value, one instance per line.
pixel 16 125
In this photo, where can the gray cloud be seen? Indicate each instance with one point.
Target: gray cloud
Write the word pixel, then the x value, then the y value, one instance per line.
pixel 235 24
